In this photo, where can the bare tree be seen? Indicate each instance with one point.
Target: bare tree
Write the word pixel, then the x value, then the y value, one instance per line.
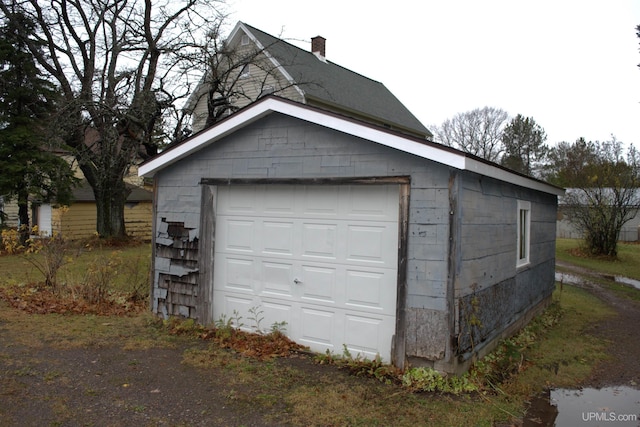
pixel 236 74
pixel 116 63
pixel 605 189
pixel 477 132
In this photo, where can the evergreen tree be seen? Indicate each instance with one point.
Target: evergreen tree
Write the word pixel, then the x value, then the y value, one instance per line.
pixel 524 149
pixel 29 167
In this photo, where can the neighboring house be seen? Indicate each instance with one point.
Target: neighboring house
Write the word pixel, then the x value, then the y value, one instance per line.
pixel 78 220
pixel 351 234
pixel 277 67
pixel 630 231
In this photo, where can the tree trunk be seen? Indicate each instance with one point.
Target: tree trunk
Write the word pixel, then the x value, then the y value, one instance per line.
pixel 110 200
pixel 23 215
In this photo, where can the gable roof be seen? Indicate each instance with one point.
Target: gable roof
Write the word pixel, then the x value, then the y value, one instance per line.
pixel 272 104
pixel 328 85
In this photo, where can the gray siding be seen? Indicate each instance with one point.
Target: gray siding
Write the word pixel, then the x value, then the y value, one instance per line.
pixel 491 292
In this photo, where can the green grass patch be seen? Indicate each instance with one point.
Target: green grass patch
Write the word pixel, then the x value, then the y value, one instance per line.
pixel 565 354
pixel 627 263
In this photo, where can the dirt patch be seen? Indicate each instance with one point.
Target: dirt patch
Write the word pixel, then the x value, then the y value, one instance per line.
pixel 110 387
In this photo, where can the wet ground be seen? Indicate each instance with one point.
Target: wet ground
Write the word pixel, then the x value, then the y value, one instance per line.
pixel 611 397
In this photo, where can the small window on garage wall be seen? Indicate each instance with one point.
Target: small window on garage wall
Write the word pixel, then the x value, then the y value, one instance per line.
pixel 524 231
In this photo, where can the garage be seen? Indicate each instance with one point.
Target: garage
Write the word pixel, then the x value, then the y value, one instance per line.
pixel 348 234
pixel 321 260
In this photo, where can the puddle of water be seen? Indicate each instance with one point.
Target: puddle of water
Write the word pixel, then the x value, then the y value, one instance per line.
pixel 633 282
pixel 576 280
pixel 612 406
pixel 569 278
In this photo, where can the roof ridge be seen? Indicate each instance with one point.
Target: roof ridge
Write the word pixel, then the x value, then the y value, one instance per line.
pixel 308 52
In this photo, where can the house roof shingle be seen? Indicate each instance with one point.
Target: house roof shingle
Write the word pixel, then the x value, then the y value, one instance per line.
pixel 325 82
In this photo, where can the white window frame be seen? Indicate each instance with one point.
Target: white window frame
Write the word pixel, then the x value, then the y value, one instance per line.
pixel 523 233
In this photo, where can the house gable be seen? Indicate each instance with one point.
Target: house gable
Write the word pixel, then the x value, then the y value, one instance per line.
pixel 306 77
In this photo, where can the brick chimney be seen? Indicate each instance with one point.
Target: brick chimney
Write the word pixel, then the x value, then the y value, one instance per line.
pixel 318 45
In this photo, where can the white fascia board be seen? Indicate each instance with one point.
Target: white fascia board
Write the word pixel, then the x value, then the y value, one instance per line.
pixel 500 174
pixel 204 138
pixel 371 134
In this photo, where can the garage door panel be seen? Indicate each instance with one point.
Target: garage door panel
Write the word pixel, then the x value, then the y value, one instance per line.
pixel 241 199
pixel 363 335
pixel 318 284
pixel 277 201
pixel 275 312
pixel 323 259
pixel 233 307
pixel 237 234
pixel 317 327
pixel 319 240
pixel 276 278
pixel 371 244
pixel 320 201
pixel 237 273
pixel 364 202
pixel 369 291
pixel 278 238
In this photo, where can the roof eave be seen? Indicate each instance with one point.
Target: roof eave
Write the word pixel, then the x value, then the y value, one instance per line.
pixel 412 145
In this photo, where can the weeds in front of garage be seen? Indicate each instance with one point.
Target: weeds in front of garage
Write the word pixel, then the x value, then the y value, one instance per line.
pixel 55 275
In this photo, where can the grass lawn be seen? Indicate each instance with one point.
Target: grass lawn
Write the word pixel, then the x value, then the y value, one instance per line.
pixel 627 264
pixel 562 354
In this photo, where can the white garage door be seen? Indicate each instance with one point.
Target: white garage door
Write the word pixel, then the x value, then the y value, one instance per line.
pixel 321 258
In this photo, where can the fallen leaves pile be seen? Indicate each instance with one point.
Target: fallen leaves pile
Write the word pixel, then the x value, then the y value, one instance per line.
pixel 261 346
pixel 40 300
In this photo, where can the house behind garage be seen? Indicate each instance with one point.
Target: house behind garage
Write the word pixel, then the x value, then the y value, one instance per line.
pixel 351 234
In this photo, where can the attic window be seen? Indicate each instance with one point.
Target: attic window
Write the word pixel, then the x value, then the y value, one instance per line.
pixel 266 91
pixel 244 40
pixel 245 72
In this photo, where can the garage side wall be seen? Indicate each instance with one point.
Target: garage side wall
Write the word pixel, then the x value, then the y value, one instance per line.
pixel 493 294
pixel 281 147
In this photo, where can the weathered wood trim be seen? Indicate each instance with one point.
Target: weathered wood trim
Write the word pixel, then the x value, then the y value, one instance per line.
pixel 205 255
pixel 453 264
pixel 154 234
pixel 398 349
pixel 307 181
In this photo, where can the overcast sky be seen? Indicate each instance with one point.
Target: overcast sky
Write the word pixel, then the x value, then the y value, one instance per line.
pixel 569 64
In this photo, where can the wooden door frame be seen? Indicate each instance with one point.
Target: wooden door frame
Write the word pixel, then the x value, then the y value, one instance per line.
pixel 206 249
